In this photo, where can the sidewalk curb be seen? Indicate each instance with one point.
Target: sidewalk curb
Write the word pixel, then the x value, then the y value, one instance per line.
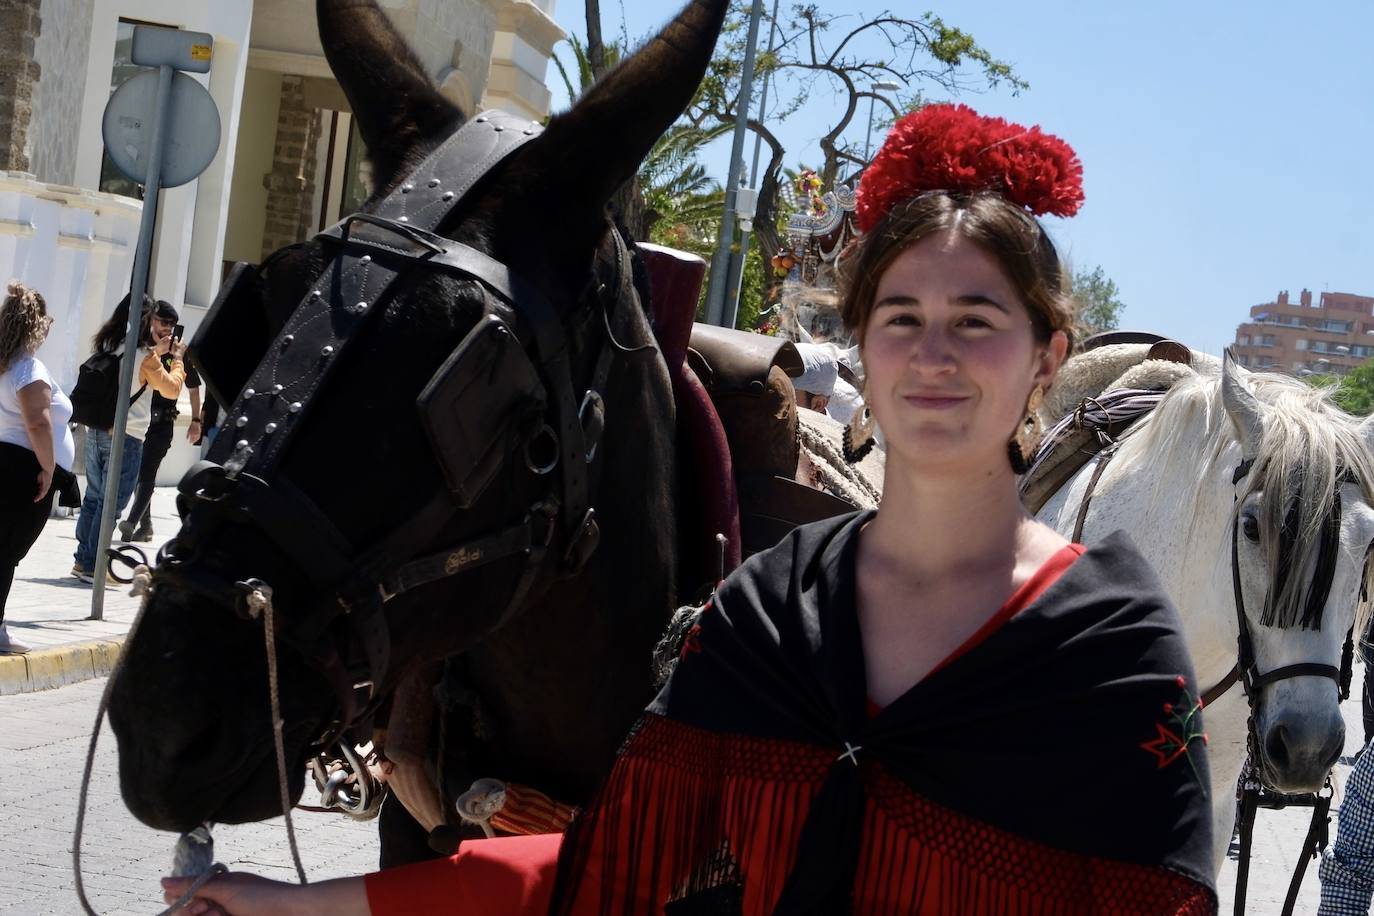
pixel 44 669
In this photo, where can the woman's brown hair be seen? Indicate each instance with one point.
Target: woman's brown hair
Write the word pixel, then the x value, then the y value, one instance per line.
pixel 1012 236
pixel 24 323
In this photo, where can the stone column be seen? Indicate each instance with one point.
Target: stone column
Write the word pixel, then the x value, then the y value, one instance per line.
pixel 291 183
pixel 19 27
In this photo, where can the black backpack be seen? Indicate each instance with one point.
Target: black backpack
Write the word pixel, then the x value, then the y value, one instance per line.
pixel 97 391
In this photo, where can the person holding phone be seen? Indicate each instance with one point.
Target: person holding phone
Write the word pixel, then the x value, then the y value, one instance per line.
pixel 138 524
pixel 161 371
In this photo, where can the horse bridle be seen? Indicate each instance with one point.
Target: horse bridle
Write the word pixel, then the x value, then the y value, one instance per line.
pixel 508 399
pixel 1246 670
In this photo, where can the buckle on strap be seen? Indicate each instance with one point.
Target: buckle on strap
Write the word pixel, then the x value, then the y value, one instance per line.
pixel 592 415
pixel 583 544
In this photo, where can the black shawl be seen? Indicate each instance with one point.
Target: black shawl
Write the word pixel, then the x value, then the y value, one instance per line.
pixel 1074 727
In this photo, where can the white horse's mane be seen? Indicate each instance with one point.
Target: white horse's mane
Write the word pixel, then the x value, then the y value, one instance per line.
pixel 1309 445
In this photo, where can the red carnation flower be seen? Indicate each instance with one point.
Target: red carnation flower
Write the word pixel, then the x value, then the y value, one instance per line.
pixel 953 148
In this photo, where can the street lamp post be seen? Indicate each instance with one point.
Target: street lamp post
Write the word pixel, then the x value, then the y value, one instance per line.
pixel 881 86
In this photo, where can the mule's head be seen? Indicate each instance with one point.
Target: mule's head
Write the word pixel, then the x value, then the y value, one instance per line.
pixel 191 707
pixel 1302 531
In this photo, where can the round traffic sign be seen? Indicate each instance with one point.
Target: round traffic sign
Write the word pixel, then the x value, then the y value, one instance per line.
pixel 190 136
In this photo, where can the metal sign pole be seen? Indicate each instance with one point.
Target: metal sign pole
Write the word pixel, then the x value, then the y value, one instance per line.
pixel 152 185
pixel 720 264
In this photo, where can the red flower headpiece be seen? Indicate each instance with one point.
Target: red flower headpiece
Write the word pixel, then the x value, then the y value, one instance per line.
pixel 953 148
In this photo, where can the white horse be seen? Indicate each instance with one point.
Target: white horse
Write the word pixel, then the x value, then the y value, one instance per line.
pixel 1172 487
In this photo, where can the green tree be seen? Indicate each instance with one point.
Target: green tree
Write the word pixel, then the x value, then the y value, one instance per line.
pixel 1099 303
pixel 1352 392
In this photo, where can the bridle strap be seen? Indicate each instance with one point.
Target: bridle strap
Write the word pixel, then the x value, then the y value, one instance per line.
pixel 1302 669
pixel 1102 458
pixel 1220 687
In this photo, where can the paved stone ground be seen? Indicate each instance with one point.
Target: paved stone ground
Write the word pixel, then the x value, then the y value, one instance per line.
pixel 43 742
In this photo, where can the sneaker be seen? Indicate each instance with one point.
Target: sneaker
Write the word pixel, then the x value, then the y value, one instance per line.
pixel 126 532
pixel 10 645
pixel 88 576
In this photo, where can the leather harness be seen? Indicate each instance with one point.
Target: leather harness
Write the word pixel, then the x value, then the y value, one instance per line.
pixel 511 379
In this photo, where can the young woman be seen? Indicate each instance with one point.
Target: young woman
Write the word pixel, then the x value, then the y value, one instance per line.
pixel 36 447
pixel 940 707
pixel 155 344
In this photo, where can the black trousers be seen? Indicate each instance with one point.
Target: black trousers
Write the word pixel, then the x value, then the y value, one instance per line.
pixel 155 447
pixel 21 519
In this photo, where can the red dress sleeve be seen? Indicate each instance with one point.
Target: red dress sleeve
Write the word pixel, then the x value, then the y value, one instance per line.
pixel 504 876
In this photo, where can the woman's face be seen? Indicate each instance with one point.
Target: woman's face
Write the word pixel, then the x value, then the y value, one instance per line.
pixel 951 357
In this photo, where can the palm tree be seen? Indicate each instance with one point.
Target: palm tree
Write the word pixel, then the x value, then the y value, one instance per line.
pixel 682 204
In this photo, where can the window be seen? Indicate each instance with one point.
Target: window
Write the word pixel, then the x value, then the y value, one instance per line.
pixel 1300 344
pixel 1242 340
pixel 112 180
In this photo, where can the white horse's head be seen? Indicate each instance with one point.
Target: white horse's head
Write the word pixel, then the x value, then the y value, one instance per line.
pixel 1303 524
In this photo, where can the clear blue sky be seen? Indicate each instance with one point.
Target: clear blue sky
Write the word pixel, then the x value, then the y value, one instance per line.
pixel 1227 146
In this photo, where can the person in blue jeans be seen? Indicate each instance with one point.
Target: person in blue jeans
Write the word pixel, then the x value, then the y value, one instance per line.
pixel 155 343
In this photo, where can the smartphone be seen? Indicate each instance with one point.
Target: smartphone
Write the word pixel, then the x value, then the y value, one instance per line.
pixel 178 331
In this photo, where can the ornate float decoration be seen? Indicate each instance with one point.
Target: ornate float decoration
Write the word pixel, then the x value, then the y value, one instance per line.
pixel 821 228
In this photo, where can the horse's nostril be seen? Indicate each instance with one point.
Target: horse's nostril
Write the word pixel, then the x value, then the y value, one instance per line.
pixel 1334 748
pixel 1276 746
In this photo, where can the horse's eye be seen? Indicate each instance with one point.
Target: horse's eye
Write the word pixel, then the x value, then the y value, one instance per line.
pixel 1250 526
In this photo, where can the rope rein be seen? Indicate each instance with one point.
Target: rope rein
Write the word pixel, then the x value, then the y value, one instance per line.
pixel 260 607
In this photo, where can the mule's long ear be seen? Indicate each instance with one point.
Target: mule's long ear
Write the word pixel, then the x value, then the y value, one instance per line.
pixel 594 148
pixel 1242 406
pixel 394 101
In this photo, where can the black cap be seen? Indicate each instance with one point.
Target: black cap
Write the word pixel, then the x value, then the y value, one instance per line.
pixel 166 311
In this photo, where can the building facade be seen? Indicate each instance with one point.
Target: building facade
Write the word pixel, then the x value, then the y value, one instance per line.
pixel 1330 337
pixel 290 162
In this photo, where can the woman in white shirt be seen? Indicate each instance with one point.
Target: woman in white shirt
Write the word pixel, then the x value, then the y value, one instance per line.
pixel 36 447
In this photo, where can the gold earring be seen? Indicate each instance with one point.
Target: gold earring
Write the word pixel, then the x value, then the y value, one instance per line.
pixel 859 439
pixel 1028 433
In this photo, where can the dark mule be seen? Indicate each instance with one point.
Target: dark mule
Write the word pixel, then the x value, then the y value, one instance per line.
pixel 560 682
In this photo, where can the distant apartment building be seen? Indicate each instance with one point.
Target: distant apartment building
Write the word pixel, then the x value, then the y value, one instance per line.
pixel 1329 338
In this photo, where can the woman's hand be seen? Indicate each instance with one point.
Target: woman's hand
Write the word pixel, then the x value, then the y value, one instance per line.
pixel 178 348
pixel 44 483
pixel 194 431
pixel 163 345
pixel 242 894
pixel 234 894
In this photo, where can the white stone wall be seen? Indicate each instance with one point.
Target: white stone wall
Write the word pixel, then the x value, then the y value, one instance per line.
pixel 62 51
pixel 76 248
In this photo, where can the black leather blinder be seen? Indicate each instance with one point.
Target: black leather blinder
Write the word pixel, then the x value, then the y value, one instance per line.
pixel 233 336
pixel 485 399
